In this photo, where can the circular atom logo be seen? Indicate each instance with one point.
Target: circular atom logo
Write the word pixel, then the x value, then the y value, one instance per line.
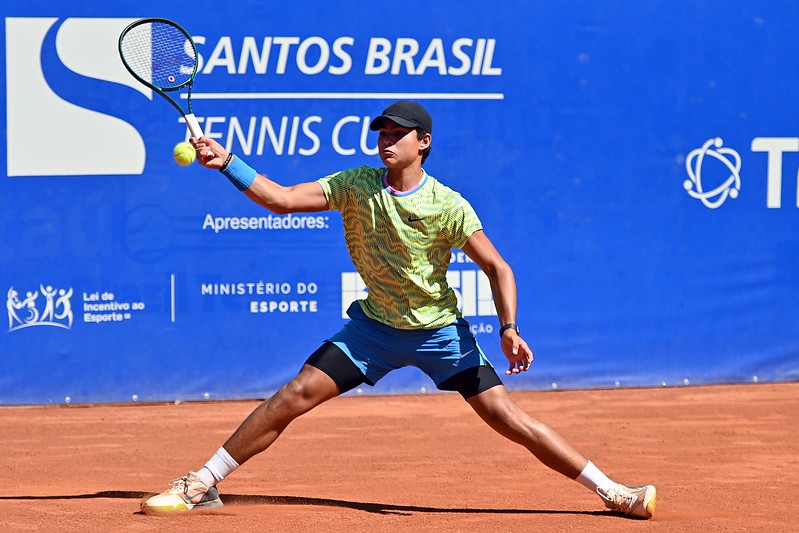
pixel 694 164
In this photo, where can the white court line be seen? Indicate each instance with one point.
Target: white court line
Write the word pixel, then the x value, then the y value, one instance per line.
pixel 173 297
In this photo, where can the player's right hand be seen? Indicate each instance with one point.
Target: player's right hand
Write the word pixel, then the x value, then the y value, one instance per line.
pixel 210 153
pixel 519 355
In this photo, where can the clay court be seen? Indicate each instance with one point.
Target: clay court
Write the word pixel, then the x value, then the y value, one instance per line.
pixel 724 458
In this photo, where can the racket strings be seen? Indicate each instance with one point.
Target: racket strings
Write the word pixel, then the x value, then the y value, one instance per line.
pixel 160 54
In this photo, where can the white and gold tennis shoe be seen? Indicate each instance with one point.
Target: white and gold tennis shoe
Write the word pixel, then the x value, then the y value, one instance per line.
pixel 632 501
pixel 184 494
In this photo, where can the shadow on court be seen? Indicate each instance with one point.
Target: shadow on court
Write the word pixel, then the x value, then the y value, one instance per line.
pixel 369 507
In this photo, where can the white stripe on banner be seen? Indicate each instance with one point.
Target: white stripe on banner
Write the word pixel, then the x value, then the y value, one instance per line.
pixel 346 96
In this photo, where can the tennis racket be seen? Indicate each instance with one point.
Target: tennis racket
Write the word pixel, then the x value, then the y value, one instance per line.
pixel 161 55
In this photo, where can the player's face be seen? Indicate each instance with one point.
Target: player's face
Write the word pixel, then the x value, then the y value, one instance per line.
pixel 399 146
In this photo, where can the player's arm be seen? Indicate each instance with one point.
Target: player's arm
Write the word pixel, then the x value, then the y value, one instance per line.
pixel 303 197
pixel 503 285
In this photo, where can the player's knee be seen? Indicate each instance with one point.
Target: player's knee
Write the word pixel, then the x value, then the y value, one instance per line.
pixel 289 401
pixel 296 392
pixel 501 410
pixel 497 408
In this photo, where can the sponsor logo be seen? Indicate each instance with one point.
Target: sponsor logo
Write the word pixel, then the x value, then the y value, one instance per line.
pixel 471 287
pixel 64 77
pixel 54 308
pixel 715 195
pixel 50 306
pixel 466 353
pixel 105 306
pixel 714 171
pixel 268 297
pixel 776 148
pixel 352 288
pixel 474 292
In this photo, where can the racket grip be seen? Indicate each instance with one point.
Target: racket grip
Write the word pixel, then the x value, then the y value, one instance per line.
pixel 194 126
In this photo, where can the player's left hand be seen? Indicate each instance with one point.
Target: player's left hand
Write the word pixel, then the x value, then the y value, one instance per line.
pixel 519 355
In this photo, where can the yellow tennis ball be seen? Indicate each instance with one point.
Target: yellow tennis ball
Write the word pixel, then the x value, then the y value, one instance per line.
pixel 184 153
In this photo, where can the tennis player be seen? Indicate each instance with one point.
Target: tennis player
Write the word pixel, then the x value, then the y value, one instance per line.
pixel 400 225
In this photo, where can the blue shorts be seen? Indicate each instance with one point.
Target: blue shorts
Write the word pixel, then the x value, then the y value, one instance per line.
pixel 377 349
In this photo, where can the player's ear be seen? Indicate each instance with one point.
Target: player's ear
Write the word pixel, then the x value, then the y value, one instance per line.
pixel 425 141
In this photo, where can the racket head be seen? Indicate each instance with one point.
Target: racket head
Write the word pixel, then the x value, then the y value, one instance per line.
pixel 159 53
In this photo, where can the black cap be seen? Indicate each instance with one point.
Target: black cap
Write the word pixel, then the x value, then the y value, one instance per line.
pixel 407 114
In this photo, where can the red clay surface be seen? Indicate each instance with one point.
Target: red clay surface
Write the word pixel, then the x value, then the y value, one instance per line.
pixel 724 458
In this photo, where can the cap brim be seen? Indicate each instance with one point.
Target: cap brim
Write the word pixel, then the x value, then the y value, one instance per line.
pixel 405 123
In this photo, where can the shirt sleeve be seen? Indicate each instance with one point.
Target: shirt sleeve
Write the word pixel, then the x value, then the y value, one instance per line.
pixel 460 221
pixel 337 187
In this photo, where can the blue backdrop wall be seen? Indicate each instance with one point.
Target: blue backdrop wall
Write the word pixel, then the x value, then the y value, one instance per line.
pixel 636 163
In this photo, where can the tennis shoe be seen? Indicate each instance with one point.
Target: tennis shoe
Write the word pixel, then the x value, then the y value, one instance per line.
pixel 632 501
pixel 184 494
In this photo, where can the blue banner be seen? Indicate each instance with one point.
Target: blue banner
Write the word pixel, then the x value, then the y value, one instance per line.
pixel 636 164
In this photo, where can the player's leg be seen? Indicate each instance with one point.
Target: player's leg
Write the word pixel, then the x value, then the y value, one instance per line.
pixel 460 365
pixel 264 425
pixel 498 410
pixel 326 374
pixel 505 416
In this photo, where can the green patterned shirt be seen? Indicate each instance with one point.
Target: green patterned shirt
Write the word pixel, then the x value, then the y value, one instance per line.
pixel 401 243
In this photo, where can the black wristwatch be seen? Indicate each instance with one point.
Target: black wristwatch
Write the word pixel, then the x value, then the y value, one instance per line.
pixel 510 325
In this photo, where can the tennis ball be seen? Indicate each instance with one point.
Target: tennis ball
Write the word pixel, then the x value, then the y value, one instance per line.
pixel 184 153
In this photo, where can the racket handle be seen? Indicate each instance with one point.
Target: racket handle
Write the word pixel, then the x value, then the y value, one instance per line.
pixel 194 126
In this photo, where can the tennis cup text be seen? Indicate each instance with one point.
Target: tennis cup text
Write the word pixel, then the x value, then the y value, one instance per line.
pixel 290 135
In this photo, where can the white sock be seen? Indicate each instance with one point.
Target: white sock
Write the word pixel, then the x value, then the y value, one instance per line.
pixel 218 467
pixel 592 478
pixel 206 477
